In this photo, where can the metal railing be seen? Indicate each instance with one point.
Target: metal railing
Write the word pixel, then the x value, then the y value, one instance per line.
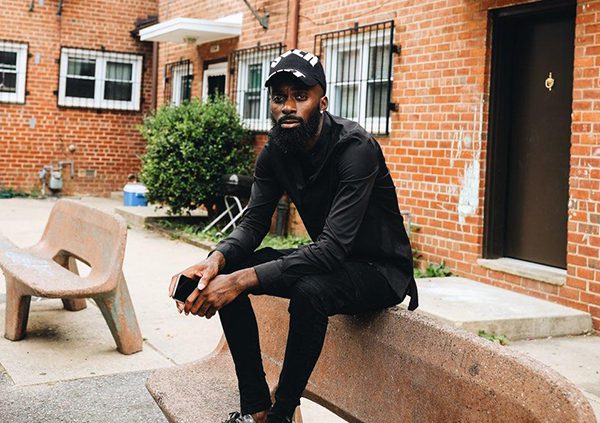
pixel 358 67
pixel 249 69
pixel 178 82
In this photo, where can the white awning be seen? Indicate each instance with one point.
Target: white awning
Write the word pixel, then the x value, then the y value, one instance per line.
pixel 193 31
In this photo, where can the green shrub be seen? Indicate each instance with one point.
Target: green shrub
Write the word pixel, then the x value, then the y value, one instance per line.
pixel 189 147
pixel 498 339
pixel 182 230
pixel 433 270
pixel 10 193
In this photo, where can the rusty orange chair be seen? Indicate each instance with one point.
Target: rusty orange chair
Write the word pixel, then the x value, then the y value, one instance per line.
pixel 48 269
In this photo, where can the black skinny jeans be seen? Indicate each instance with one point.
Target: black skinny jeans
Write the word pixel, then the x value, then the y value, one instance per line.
pixel 353 288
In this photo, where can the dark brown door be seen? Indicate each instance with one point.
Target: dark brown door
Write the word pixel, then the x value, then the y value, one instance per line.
pixel 536 113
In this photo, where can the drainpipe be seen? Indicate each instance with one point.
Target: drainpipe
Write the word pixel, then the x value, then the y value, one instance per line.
pixel 154 74
pixel 283 207
pixel 292 39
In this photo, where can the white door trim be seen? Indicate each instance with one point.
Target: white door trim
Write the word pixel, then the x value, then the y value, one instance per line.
pixel 214 69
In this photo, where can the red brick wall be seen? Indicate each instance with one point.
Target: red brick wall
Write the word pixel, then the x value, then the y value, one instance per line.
pixel 583 281
pixel 439 133
pixel 105 141
pixel 253 33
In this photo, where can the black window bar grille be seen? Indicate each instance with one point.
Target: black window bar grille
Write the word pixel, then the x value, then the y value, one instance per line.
pixel 249 69
pixel 100 79
pixel 178 82
pixel 358 67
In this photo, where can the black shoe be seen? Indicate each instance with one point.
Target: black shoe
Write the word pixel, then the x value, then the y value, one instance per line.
pixel 276 418
pixel 236 417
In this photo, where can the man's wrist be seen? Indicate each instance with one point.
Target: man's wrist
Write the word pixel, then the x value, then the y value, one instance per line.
pixel 219 258
pixel 247 279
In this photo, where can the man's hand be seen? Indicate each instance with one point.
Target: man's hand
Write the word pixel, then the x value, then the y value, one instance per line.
pixel 205 271
pixel 222 290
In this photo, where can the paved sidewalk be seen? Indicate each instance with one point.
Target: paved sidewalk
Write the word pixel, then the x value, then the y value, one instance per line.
pixel 575 357
pixel 68 370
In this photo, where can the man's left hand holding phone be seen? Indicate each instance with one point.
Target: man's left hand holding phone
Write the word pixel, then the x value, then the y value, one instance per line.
pixel 185 286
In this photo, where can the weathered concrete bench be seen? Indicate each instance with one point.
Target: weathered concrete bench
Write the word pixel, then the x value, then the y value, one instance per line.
pixel 392 366
pixel 48 269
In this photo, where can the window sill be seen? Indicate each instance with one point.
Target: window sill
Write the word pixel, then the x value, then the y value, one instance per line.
pixel 525 269
pixel 12 99
pixel 75 103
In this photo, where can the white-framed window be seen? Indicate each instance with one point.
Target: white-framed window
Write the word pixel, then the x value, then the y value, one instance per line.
pixel 253 99
pixel 99 79
pixel 357 66
pixel 178 82
pixel 251 96
pixel 13 70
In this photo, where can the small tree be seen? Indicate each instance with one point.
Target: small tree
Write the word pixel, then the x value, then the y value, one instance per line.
pixel 189 147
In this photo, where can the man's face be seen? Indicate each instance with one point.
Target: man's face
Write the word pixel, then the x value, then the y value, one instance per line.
pixel 296 113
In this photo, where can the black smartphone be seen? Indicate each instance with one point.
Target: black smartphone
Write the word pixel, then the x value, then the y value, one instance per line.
pixel 185 286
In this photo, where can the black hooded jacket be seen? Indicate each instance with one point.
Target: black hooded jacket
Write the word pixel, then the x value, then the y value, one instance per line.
pixel 346 198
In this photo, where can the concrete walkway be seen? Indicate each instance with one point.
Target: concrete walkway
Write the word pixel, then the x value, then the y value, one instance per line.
pixel 68 370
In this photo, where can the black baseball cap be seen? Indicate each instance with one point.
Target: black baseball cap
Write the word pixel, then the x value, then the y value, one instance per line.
pixel 303 65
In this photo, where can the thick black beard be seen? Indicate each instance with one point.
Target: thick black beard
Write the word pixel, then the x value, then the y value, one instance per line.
pixel 292 141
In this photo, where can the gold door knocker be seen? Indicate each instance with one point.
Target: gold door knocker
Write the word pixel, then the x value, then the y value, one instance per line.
pixel 549 82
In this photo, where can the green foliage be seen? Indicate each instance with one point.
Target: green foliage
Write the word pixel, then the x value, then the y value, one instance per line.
pixel 35 193
pixel 10 193
pixel 180 230
pixel 416 254
pixel 499 339
pixel 213 235
pixel 433 270
pixel 189 147
pixel 282 242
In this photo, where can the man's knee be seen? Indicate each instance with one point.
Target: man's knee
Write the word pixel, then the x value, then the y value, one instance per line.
pixel 309 295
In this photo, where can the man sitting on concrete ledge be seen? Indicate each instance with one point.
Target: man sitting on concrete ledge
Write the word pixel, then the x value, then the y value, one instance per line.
pixel 360 258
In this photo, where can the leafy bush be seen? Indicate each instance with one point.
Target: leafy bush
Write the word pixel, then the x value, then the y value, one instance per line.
pixel 189 147
pixel 433 271
pixel 10 193
pixel 182 230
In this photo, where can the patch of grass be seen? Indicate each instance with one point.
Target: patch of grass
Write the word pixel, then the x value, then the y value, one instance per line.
pixel 183 230
pixel 433 270
pixel 498 339
pixel 280 242
pixel 10 193
pixel 213 235
pixel 416 255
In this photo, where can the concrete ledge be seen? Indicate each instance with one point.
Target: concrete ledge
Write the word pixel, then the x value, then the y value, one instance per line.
pixel 215 393
pixel 526 269
pixel 6 244
pixel 140 216
pixel 204 244
pixel 475 306
pixel 390 366
pixel 117 195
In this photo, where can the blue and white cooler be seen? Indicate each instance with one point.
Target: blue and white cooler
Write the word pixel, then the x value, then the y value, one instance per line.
pixel 134 194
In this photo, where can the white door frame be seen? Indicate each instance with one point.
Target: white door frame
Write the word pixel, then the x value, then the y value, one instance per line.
pixel 214 69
